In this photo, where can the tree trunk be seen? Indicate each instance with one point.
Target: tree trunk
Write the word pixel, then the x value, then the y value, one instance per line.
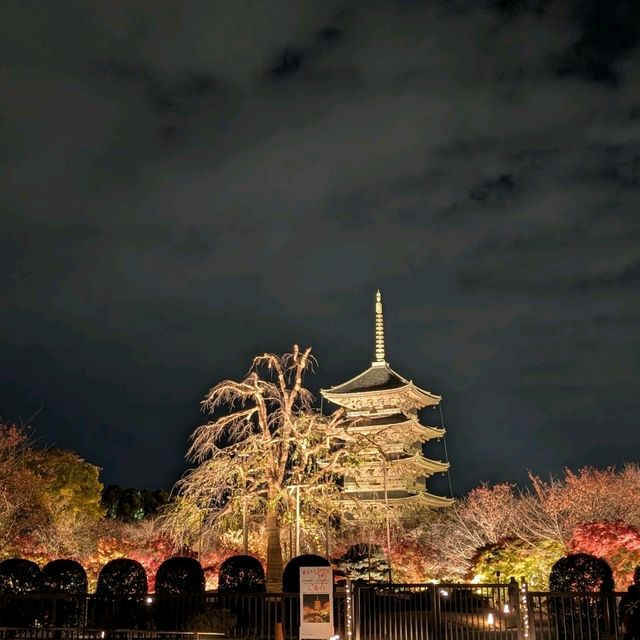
pixel 274 553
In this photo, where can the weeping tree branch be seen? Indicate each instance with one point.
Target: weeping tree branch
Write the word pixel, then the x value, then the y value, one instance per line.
pixel 268 440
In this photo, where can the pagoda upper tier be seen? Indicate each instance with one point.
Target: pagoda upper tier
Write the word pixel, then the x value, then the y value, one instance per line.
pixel 380 389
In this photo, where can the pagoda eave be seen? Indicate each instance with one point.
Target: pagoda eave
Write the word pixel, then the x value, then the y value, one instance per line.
pixel 406 397
pixel 425 464
pixel 421 498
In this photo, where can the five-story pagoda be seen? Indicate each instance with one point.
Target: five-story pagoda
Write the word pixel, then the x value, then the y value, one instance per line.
pixel 384 408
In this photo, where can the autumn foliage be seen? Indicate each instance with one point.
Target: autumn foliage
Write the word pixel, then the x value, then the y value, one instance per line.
pixel 50 508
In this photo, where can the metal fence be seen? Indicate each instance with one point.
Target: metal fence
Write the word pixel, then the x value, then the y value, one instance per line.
pixel 366 612
pixel 431 612
pixel 573 616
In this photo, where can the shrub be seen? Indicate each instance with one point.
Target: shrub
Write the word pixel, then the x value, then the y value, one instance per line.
pixel 581 572
pixel 365 563
pixel 179 593
pixel 242 574
pixel 64 576
pixel 180 575
pixel 291 573
pixel 122 586
pixel 18 577
pixel 585 600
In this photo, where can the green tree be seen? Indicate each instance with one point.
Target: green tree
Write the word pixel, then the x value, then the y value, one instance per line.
pixel 516 557
pixel 72 485
pixel 249 459
pixel 69 495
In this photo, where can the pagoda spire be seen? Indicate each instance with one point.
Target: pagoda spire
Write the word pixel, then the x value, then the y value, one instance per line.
pixel 379 330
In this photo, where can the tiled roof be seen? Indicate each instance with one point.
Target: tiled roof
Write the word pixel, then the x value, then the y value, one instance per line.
pixel 375 378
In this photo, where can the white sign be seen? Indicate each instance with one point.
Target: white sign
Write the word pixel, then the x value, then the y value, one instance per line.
pixel 316 603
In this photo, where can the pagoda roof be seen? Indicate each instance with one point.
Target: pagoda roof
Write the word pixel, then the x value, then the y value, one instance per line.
pixel 379 377
pixel 427 465
pixel 399 497
pixel 406 423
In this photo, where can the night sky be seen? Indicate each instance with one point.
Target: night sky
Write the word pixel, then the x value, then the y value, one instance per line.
pixel 186 184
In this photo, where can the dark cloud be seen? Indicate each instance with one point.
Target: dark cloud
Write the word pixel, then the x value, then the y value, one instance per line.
pixel 183 189
pixel 609 29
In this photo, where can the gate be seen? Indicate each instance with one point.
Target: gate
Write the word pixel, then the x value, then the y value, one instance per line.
pixel 436 612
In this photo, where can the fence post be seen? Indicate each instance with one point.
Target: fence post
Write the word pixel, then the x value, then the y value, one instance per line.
pixel 524 631
pixel 435 610
pixel 348 610
pixel 356 595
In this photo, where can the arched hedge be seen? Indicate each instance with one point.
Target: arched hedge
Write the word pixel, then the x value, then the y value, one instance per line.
pixel 19 576
pixel 64 576
pixel 180 575
pixel 291 573
pixel 121 591
pixel 242 574
pixel 581 572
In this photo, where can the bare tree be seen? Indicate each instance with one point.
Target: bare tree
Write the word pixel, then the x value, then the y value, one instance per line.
pixel 250 458
pixel 553 508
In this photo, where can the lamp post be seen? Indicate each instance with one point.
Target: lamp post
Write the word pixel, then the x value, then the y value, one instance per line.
pixel 296 488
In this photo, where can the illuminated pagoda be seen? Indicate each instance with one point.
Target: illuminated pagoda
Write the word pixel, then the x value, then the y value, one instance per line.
pixel 384 407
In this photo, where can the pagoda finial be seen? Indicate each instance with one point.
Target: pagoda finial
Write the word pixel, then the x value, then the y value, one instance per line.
pixel 379 329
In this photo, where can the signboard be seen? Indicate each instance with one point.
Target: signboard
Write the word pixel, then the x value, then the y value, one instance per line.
pixel 316 602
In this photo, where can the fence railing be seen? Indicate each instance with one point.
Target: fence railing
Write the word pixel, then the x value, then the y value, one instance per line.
pixel 569 616
pixel 377 612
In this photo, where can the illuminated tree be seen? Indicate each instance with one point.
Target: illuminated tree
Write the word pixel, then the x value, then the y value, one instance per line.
pixel 21 512
pixel 616 542
pixel 70 495
pixel 365 563
pixel 515 557
pixel 555 507
pixel 486 515
pixel 49 499
pixel 249 459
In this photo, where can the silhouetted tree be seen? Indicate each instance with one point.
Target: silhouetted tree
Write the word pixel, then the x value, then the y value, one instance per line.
pixel 241 574
pixel 64 577
pixel 122 587
pixel 584 601
pixel 132 505
pixel 180 575
pixel 291 574
pixel 19 577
